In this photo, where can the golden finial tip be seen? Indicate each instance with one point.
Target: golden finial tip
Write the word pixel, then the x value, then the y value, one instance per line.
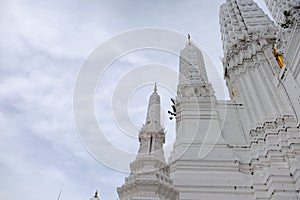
pixel 155 87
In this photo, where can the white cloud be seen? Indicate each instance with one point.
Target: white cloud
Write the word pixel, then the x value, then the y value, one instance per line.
pixel 42 45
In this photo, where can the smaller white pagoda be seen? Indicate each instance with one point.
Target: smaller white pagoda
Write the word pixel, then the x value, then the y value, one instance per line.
pixel 150 174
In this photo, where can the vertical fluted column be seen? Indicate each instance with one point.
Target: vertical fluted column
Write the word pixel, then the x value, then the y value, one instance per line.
pixel 264 93
pixel 257 104
pixel 246 99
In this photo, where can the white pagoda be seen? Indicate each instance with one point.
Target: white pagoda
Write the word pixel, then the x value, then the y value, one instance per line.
pixel 150 174
pixel 245 148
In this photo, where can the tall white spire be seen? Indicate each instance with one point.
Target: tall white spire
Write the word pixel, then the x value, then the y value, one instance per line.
pixel 248 36
pixel 242 21
pixel 199 152
pixel 150 174
pixel 192 68
pixel 152 134
pixel 193 81
pixel 153 113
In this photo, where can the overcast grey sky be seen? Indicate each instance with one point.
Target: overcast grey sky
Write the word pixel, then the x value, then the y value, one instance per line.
pixel 42 47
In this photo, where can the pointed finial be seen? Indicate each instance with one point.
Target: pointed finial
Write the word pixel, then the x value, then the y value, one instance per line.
pixel 96 193
pixel 155 87
pixel 189 38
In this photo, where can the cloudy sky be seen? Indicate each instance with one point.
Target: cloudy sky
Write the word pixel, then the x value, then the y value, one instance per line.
pixel 43 46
